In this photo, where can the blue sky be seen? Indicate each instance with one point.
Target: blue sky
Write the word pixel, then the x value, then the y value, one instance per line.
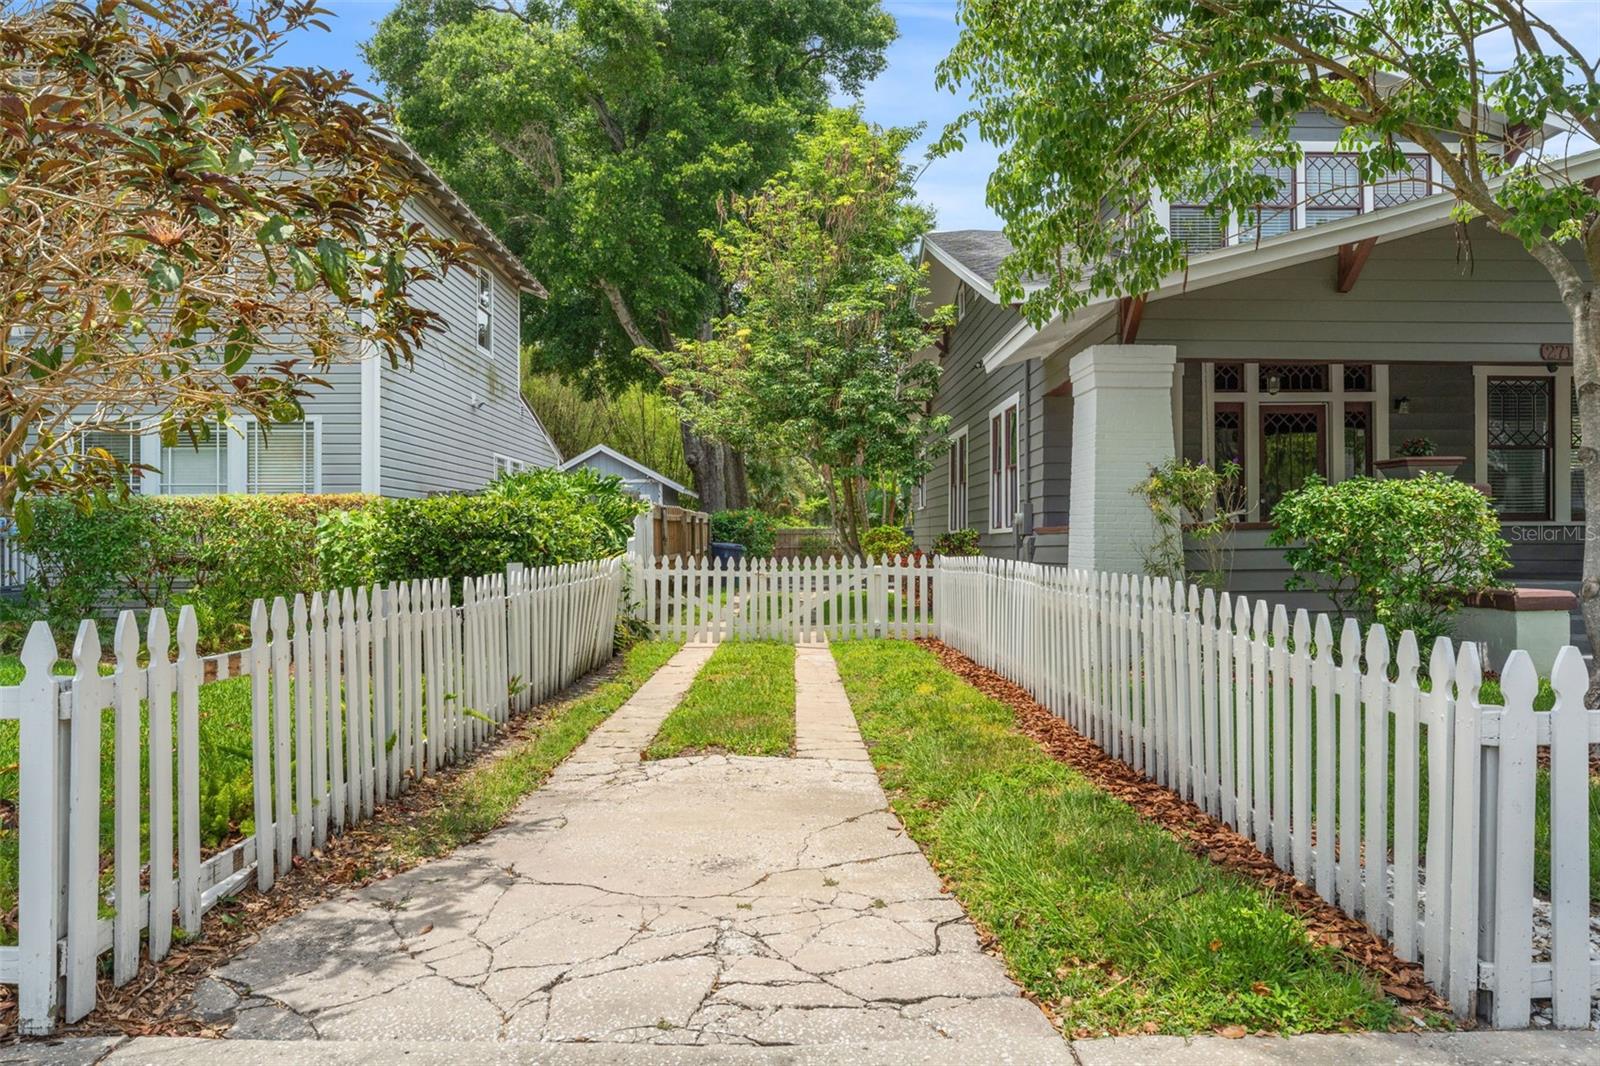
pixel 903 95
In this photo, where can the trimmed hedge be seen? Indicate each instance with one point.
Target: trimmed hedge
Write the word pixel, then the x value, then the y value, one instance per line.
pixel 535 517
pixel 217 553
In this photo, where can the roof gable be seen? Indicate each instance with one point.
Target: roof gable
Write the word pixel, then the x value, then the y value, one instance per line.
pixel 632 464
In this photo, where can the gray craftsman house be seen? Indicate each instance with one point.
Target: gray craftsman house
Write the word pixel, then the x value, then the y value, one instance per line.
pixel 451 421
pixel 1352 317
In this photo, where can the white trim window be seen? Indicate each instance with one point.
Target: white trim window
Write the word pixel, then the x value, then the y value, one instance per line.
pixel 1004 487
pixel 124 447
pixel 485 310
pixel 197 466
pixel 956 464
pixel 285 457
pixel 504 464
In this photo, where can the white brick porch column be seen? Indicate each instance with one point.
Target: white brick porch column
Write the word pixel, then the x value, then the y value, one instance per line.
pixel 1121 426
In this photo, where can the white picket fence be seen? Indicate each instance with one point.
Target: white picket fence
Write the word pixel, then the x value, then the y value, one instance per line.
pixel 354 695
pixel 1274 727
pixel 796 600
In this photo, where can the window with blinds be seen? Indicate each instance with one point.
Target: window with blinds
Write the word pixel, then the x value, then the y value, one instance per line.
pixel 1411 184
pixel 1275 215
pixel 1520 446
pixel 196 467
pixel 281 458
pixel 123 447
pixel 1198 230
pixel 1576 466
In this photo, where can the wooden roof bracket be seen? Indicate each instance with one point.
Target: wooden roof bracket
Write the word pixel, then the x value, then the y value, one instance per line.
pixel 1352 257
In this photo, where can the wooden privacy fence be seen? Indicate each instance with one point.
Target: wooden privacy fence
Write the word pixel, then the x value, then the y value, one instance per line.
pixel 353 696
pixel 1299 741
pixel 785 599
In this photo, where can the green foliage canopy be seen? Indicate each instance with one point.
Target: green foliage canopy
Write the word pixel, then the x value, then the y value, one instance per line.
pixel 597 137
pixel 817 358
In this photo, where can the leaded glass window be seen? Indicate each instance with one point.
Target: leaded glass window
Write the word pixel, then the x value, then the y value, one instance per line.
pixel 1519 446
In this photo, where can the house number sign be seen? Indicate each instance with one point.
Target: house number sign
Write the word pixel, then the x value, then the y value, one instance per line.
pixel 1555 353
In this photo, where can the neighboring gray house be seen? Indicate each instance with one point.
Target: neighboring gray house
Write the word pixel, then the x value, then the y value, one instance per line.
pixel 643 482
pixel 1362 317
pixel 450 421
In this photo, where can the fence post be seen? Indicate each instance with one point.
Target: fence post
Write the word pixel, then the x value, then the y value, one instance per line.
pixel 39 837
pixel 1569 843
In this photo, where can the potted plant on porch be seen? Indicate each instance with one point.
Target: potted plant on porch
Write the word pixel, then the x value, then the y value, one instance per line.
pixel 1414 457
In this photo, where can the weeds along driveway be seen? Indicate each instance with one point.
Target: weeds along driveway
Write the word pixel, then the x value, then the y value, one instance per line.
pixel 707 899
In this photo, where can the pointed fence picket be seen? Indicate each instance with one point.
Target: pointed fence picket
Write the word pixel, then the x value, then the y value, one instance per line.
pixel 354 696
pixel 1326 751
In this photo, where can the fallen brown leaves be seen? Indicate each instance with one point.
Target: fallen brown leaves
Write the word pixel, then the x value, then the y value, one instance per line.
pixel 1202 834
pixel 153 1003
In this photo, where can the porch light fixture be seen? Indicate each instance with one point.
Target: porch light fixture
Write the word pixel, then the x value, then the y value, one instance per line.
pixel 1274 383
pixel 1402 405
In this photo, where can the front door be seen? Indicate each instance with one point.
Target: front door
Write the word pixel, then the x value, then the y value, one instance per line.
pixel 1293 447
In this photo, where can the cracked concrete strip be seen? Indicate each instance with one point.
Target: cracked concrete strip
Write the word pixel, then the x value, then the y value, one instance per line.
pixel 709 901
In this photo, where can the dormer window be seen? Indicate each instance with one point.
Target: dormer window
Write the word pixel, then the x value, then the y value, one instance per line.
pixel 485 309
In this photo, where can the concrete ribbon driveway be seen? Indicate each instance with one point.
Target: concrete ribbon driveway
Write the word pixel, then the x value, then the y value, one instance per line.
pixel 704 900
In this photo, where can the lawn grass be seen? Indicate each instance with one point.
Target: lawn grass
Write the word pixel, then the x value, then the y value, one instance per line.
pixel 1102 915
pixel 741 703
pixel 480 798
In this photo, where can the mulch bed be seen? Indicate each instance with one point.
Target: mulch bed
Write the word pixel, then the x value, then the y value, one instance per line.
pixel 153 1003
pixel 1204 835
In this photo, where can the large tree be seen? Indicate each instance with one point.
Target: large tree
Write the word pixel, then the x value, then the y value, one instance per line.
pixel 819 357
pixel 186 230
pixel 1096 105
pixel 597 137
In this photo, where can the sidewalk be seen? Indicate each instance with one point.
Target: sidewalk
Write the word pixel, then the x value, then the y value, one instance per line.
pixel 705 900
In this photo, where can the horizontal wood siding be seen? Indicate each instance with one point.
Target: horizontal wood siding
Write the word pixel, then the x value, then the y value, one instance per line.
pixel 1440 399
pixel 446 416
pixel 1418 299
pixel 966 394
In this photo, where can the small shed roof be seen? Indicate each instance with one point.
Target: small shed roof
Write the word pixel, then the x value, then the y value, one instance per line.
pixel 645 471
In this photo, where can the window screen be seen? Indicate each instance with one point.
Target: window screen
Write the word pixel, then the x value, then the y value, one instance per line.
pixel 1519 446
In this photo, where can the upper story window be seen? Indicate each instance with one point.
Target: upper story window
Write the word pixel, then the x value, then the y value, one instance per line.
pixel 963 299
pixel 1274 215
pixel 1325 187
pixel 485 309
pixel 1333 187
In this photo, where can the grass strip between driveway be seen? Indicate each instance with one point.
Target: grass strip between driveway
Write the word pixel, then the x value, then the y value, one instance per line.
pixel 741 703
pixel 1106 919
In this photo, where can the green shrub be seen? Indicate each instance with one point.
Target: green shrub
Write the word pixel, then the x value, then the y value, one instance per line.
pixel 1402 552
pixel 216 552
pixel 881 542
pixel 1192 503
pixel 754 529
pixel 535 517
pixel 957 542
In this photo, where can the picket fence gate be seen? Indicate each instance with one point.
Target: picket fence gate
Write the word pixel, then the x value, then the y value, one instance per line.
pixel 794 600
pixel 1279 730
pixel 354 695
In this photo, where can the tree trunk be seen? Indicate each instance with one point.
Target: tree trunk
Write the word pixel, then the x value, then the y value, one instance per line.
pixel 1585 311
pixel 738 483
pixel 706 460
